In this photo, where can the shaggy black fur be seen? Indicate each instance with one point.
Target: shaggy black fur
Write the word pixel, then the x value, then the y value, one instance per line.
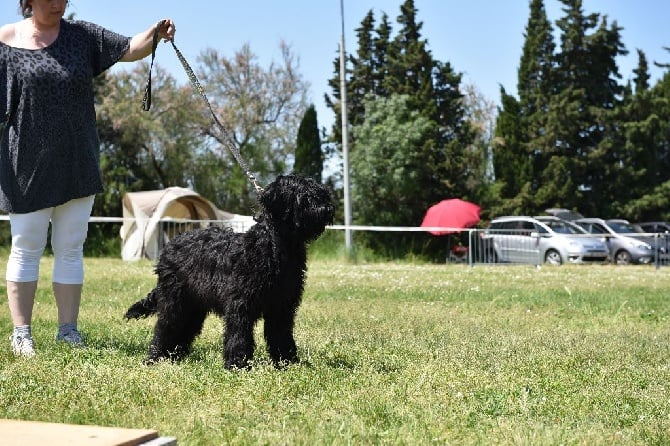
pixel 240 277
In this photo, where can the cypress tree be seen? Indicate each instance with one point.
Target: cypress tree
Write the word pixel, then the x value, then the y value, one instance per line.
pixel 440 159
pixel 641 73
pixel 522 124
pixel 308 154
pixel 586 90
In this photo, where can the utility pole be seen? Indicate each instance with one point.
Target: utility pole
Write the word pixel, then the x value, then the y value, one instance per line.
pixel 345 137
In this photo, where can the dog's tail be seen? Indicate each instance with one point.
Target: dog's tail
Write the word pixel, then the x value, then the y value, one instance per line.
pixel 143 308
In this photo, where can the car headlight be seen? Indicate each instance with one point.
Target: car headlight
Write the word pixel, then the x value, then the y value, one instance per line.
pixel 639 244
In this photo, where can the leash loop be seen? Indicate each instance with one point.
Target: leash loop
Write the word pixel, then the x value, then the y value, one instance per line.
pixel 195 83
pixel 146 101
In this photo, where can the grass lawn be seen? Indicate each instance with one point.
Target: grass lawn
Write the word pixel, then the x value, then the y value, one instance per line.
pixel 391 353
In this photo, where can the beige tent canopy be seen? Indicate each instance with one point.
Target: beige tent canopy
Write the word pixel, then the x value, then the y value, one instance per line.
pixel 152 218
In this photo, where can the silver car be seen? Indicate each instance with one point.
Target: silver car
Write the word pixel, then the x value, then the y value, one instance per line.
pixel 625 244
pixel 542 239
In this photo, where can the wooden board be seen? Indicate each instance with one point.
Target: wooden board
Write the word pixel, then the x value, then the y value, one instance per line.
pixel 23 433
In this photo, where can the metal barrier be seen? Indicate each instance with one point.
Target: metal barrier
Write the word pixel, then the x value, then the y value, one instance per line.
pixel 525 247
pixel 484 246
pixel 170 228
pixel 504 247
pixel 661 248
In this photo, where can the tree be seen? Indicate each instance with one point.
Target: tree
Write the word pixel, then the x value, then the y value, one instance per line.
pixel 565 103
pixel 145 150
pixel 646 142
pixel 511 162
pixel 308 154
pixel 641 72
pixel 260 108
pixel 481 115
pixel 537 66
pixel 587 90
pixel 386 171
pixel 522 124
pixel 446 161
pixel 370 67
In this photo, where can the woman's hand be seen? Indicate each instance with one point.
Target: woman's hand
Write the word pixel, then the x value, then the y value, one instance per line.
pixel 167 30
pixel 142 43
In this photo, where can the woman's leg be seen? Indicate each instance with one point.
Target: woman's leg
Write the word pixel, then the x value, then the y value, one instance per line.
pixel 69 226
pixel 29 237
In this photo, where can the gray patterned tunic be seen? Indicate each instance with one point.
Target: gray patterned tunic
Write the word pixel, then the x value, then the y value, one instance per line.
pixel 50 150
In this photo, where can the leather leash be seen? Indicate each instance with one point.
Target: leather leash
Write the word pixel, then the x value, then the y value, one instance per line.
pixel 195 83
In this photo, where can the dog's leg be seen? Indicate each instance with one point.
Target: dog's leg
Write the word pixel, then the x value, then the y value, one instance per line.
pixel 238 341
pixel 278 332
pixel 173 338
pixel 176 328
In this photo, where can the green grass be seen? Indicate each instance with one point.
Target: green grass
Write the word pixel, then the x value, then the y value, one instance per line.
pixel 392 353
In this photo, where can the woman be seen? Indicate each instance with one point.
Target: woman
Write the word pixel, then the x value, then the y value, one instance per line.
pixel 49 151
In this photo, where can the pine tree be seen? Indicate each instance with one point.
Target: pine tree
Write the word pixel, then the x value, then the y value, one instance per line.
pixel 535 83
pixel 362 81
pixel 511 163
pixel 586 90
pixel 308 154
pixel 443 161
pixel 646 133
pixel 641 73
pixel 521 123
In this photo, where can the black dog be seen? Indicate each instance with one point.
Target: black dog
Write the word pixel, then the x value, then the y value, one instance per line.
pixel 240 277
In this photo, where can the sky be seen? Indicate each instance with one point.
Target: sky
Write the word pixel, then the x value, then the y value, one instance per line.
pixel 482 39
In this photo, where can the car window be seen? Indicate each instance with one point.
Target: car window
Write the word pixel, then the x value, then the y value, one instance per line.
pixel 650 228
pixel 596 228
pixel 592 228
pixel 527 225
pixel 574 229
pixel 584 226
pixel 541 229
pixel 622 227
pixel 563 227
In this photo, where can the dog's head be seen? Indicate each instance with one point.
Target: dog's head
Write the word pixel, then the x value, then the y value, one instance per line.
pixel 299 205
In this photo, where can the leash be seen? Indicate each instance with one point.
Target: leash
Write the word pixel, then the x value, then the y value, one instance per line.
pixel 195 83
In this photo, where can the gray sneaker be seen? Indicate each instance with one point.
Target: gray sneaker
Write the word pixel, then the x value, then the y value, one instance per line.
pixel 73 337
pixel 22 346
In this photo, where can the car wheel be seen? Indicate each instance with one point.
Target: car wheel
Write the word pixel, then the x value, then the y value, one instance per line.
pixel 553 257
pixel 622 258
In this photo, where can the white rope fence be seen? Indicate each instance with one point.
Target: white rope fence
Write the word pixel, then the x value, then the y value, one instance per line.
pixel 121 220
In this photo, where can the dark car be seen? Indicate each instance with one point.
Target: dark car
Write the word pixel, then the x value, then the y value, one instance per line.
pixel 660 230
pixel 625 243
pixel 654 227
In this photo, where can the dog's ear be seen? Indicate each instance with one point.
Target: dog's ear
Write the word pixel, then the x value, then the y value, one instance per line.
pixel 276 199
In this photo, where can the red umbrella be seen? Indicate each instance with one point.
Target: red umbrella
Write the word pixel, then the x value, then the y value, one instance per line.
pixel 453 214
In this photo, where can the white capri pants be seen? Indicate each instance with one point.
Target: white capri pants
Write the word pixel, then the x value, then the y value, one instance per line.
pixel 69 226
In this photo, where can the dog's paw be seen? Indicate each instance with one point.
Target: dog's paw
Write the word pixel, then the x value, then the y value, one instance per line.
pixel 241 363
pixel 282 363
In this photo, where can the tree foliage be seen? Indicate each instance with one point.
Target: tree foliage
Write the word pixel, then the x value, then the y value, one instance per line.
pixel 145 150
pixel 260 108
pixel 593 143
pixel 308 154
pixel 399 76
pixel 574 135
pixel 177 142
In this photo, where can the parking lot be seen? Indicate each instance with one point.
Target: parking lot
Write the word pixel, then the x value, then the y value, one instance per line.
pixel 530 246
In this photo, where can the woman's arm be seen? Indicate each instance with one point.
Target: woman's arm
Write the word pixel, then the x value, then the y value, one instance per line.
pixel 140 44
